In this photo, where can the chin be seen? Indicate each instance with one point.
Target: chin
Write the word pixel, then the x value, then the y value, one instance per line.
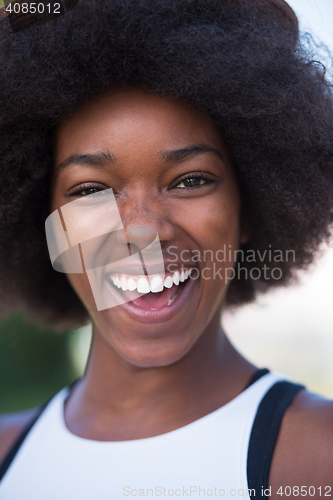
pixel 150 353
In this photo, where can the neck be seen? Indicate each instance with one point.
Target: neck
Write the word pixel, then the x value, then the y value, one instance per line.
pixel 207 377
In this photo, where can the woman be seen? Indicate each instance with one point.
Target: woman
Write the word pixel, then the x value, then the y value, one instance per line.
pixel 208 125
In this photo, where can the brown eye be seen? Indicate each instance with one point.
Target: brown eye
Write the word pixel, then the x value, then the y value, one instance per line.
pixel 89 190
pixel 193 182
pixel 86 190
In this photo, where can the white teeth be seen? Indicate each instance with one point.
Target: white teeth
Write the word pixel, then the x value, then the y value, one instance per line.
pixel 168 282
pixel 131 284
pixel 143 285
pixel 176 278
pixel 171 300
pixel 115 281
pixel 123 283
pixel 156 284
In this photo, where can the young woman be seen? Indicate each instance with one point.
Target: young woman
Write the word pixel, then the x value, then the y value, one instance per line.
pixel 212 126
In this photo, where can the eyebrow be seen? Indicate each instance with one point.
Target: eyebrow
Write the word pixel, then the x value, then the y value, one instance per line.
pixel 189 152
pixel 105 157
pixel 93 160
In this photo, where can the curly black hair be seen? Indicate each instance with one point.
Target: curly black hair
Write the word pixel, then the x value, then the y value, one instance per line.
pixel 241 63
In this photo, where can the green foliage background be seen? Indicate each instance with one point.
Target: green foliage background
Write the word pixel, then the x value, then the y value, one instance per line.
pixel 35 363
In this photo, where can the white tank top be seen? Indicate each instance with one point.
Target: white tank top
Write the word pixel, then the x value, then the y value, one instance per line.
pixel 207 457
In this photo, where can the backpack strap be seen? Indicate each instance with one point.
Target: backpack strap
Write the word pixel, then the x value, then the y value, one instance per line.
pixel 19 441
pixel 16 446
pixel 264 434
pixel 257 375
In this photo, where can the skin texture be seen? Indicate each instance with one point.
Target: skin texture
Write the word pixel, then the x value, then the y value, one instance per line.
pixel 145 379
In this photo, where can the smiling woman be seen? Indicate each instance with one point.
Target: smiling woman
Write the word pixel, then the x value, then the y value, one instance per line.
pixel 171 171
pixel 191 128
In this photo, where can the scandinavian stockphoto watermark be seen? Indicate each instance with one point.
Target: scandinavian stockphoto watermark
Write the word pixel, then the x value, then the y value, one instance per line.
pixel 236 263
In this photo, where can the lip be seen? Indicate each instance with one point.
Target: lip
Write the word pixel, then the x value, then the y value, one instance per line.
pixel 162 315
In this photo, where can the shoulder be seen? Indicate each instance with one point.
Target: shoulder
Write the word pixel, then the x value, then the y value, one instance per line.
pixel 303 455
pixel 11 427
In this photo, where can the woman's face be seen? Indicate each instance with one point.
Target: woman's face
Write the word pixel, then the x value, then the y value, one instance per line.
pixel 170 171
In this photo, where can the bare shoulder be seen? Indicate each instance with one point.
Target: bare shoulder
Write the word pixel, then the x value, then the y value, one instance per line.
pixel 303 455
pixel 11 426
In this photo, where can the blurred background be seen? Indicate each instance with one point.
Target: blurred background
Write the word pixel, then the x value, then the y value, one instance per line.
pixel 289 330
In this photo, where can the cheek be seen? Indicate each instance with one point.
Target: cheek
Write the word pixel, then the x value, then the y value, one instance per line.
pixel 213 224
pixel 213 220
pixel 81 286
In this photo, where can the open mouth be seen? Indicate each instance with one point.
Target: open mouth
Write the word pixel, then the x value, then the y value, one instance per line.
pixel 159 291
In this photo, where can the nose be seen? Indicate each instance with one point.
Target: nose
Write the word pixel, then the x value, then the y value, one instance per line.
pixel 140 236
pixel 143 222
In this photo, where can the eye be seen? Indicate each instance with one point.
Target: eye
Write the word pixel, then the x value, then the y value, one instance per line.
pixel 86 190
pixel 194 181
pixel 91 190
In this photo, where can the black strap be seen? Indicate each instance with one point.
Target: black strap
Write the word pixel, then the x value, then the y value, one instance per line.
pixel 257 375
pixel 14 449
pixel 264 434
pixel 18 443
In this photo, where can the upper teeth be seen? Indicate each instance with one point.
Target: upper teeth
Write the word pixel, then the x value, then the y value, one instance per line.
pixel 155 283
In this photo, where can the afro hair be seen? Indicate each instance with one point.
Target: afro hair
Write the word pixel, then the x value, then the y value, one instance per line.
pixel 242 64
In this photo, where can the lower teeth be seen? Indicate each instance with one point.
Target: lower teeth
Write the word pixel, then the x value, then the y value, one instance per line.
pixel 172 300
pixel 179 289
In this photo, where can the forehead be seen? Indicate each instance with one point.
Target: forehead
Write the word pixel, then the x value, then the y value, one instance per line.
pixel 133 117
